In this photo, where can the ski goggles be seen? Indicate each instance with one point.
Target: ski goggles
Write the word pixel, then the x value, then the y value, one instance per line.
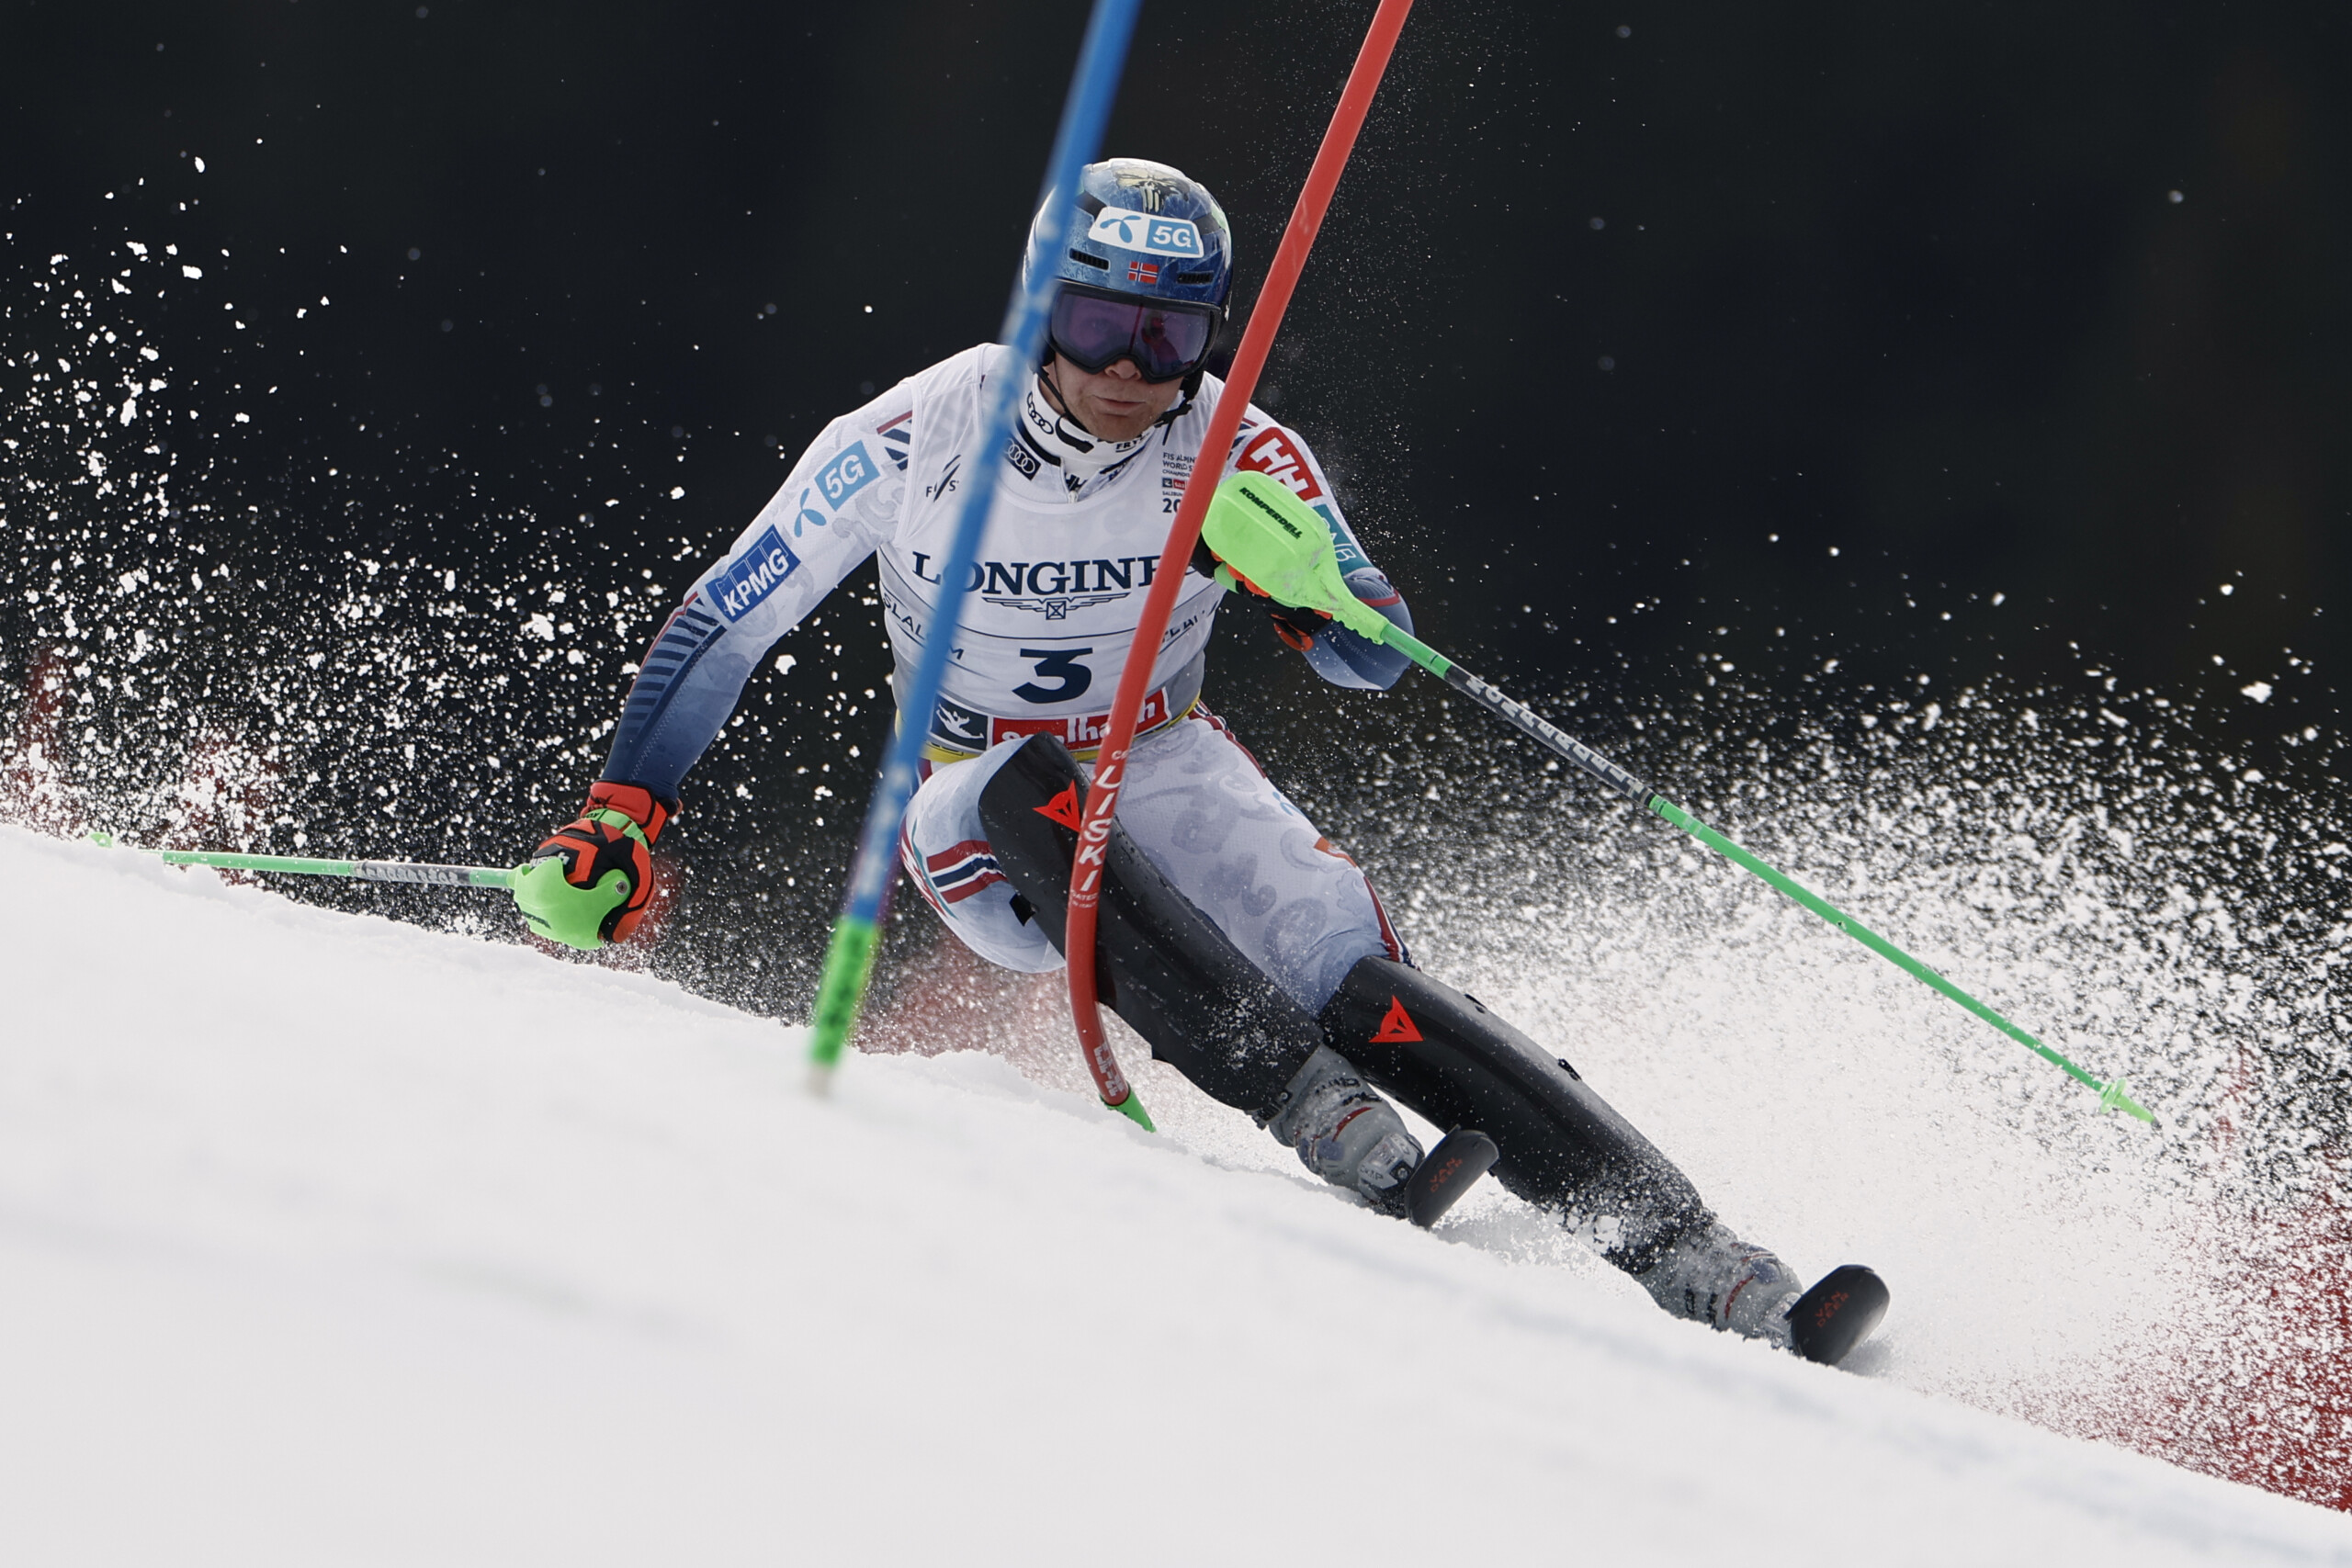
pixel 1093 329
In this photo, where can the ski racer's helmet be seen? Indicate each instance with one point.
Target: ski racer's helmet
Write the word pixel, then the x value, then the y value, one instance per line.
pixel 1144 260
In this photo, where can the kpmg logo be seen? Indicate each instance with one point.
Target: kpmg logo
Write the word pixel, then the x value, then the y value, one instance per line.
pixel 1130 231
pixel 756 573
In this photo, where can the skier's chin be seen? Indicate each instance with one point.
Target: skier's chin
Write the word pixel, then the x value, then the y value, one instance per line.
pixel 1117 420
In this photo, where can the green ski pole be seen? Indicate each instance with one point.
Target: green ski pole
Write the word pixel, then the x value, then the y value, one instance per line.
pixel 360 870
pixel 1274 544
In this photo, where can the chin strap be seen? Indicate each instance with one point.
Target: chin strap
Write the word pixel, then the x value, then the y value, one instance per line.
pixel 1064 421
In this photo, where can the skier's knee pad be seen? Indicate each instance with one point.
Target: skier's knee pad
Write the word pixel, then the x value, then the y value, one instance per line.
pixel 1160 963
pixel 1562 1146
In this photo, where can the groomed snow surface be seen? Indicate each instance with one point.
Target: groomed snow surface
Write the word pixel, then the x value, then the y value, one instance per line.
pixel 328 1240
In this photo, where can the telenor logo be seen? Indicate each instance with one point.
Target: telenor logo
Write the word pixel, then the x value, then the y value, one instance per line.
pixel 755 575
pixel 1130 231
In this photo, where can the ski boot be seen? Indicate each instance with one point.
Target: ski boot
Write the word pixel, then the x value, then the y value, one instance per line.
pixel 1711 1275
pixel 1346 1133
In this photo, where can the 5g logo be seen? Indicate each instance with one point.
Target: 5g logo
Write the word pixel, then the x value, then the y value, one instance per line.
pixel 845 477
pixel 1131 231
pixel 847 474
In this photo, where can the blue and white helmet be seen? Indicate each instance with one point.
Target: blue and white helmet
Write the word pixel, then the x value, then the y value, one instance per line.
pixel 1137 228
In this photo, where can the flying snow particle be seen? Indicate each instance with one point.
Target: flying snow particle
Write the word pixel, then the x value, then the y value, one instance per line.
pixel 187 271
pixel 2259 691
pixel 677 492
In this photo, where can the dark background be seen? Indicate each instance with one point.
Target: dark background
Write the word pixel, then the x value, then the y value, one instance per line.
pixel 1658 351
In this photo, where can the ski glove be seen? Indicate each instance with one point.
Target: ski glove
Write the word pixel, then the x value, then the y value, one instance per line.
pixel 590 883
pixel 1296 625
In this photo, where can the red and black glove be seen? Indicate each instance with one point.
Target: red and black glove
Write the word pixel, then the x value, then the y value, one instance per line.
pixel 1295 626
pixel 615 831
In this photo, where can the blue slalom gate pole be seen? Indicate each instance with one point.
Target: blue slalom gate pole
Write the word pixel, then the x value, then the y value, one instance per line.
pixel 849 960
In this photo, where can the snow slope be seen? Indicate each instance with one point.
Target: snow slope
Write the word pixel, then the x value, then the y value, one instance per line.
pixel 324 1239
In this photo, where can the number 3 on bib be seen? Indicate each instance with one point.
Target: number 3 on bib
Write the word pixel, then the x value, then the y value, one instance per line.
pixel 1057 664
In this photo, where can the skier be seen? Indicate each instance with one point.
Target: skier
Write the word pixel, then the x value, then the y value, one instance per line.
pixel 1236 940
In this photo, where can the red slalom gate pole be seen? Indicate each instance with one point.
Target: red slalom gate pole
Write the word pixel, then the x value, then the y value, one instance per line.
pixel 1126 709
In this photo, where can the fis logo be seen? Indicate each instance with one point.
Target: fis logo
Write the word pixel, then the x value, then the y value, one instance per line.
pixel 1130 231
pixel 756 573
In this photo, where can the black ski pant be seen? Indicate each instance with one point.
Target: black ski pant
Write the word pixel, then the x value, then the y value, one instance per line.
pixel 1204 1008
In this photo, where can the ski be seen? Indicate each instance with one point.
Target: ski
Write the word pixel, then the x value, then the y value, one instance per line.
pixel 1445 1173
pixel 1837 1314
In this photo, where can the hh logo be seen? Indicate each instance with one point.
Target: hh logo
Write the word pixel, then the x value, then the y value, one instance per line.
pixel 756 573
pixel 1131 231
pixel 1398 1027
pixel 1275 456
pixel 1062 808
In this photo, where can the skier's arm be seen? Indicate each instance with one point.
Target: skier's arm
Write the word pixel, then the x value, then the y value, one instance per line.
pixel 842 498
pixel 1337 654
pixel 590 882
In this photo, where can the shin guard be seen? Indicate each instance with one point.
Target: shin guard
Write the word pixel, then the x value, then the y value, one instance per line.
pixel 1160 963
pixel 1560 1145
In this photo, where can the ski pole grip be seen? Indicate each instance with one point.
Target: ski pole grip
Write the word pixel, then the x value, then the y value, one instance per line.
pixel 1269 542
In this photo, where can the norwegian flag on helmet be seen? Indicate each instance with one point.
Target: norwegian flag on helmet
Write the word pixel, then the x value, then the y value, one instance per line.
pixel 1143 272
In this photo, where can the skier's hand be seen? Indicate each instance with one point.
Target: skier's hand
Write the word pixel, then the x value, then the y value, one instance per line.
pixel 591 881
pixel 1205 559
pixel 1298 626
